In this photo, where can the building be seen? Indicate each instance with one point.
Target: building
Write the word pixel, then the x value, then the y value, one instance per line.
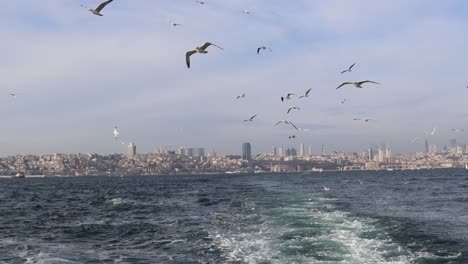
pixel 427 146
pixel 301 150
pixel 310 150
pixel 323 150
pixel 131 151
pixel 200 152
pixel 246 151
pixel 291 152
pixel 275 151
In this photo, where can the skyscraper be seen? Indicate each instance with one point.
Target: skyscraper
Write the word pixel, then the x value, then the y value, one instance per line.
pixel 301 150
pixel 275 151
pixel 453 143
pixel 427 146
pixel 310 150
pixel 131 151
pixel 246 151
pixel 323 150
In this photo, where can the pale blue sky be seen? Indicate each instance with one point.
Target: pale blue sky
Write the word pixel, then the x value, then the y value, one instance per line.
pixel 77 75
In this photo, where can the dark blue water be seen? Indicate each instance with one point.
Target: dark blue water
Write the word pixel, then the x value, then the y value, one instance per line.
pixel 366 217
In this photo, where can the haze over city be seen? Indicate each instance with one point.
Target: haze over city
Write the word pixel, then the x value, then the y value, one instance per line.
pixel 76 76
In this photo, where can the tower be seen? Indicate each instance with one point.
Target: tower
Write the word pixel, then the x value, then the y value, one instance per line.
pixel 301 150
pixel 131 151
pixel 246 151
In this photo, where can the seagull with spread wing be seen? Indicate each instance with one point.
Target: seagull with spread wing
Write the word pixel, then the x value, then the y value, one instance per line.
pixel 98 9
pixel 116 134
pixel 293 108
pixel 306 94
pixel 286 122
pixel 241 96
pixel 356 84
pixel 250 119
pixel 263 48
pixel 201 50
pixel 349 69
pixel 287 97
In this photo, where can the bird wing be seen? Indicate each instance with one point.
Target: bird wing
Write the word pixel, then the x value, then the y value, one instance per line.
pixel 187 57
pixel 344 71
pixel 101 6
pixel 282 99
pixel 207 44
pixel 307 93
pixel 302 96
pixel 350 67
pixel 258 50
pixel 289 94
pixel 367 81
pixel 279 122
pixel 289 110
pixel 343 84
pixel 252 117
pixel 293 125
pixel 270 50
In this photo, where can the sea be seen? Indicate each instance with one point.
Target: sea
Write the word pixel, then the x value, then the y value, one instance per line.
pixel 364 217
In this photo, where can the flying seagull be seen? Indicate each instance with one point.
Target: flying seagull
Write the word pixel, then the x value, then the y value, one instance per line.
pixel 432 132
pixel 287 97
pixel 349 69
pixel 291 137
pixel 174 24
pixel 250 119
pixel 259 155
pixel 246 12
pixel 363 119
pixel 116 134
pixel 241 96
pixel 200 2
pixel 13 95
pixel 356 84
pixel 286 122
pixel 98 9
pixel 293 108
pixel 414 140
pixel 306 94
pixel 325 188
pixel 458 130
pixel 343 101
pixel 201 50
pixel 263 48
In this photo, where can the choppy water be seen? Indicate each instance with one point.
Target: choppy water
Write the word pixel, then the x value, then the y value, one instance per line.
pixel 392 217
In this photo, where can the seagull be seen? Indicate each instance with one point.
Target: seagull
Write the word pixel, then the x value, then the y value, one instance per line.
pixel 263 48
pixel 174 24
pixel 325 188
pixel 286 122
pixel 250 119
pixel 259 155
pixel 241 96
pixel 246 12
pixel 288 96
pixel 98 9
pixel 458 130
pixel 343 101
pixel 293 107
pixel 13 95
pixel 291 137
pixel 360 182
pixel 201 49
pixel 433 132
pixel 116 134
pixel 357 84
pixel 349 69
pixel 363 119
pixel 414 140
pixel 200 2
pixel 306 94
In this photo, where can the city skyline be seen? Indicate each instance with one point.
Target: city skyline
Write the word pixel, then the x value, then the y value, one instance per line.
pixel 72 89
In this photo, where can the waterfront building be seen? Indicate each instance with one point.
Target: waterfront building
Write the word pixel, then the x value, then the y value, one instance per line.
pixel 246 151
pixel 131 151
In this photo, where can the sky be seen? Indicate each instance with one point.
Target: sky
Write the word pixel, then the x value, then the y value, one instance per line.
pixel 77 75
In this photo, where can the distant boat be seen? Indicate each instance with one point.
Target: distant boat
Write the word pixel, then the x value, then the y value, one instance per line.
pixel 19 175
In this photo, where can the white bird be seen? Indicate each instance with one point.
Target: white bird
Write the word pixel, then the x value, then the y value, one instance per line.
pixel 200 2
pixel 356 84
pixel 325 188
pixel 98 9
pixel 246 12
pixel 293 108
pixel 241 96
pixel 306 94
pixel 263 48
pixel 259 155
pixel 287 97
pixel 250 119
pixel 349 69
pixel 201 50
pixel 343 101
pixel 116 134
pixel 360 182
pixel 414 140
pixel 287 122
pixel 432 132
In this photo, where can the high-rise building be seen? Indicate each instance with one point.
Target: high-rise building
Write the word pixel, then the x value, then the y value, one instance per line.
pixel 310 150
pixel 291 152
pixel 280 152
pixel 301 150
pixel 200 152
pixel 131 151
pixel 275 151
pixel 453 142
pixel 427 146
pixel 190 152
pixel 388 152
pixel 323 150
pixel 246 151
